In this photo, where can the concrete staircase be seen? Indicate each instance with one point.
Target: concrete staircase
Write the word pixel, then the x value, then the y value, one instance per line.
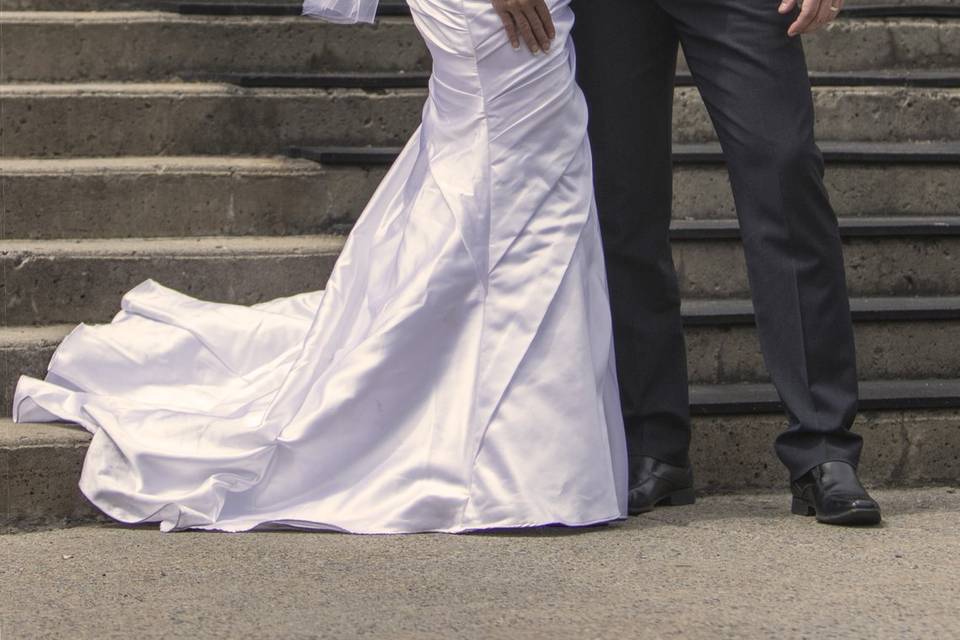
pixel 225 155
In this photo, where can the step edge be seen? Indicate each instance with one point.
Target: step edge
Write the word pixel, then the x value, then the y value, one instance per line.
pixel 764 400
pixel 736 312
pixel 875 395
pixel 180 246
pixel 933 152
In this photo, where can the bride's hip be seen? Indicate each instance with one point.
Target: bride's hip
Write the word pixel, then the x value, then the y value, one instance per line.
pixel 474 9
pixel 473 59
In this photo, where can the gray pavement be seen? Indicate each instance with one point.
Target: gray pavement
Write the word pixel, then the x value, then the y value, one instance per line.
pixel 730 567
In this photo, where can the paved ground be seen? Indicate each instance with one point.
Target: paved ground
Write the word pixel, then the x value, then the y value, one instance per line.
pixel 730 567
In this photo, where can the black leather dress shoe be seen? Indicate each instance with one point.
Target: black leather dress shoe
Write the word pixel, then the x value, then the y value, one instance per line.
pixel 832 492
pixel 654 483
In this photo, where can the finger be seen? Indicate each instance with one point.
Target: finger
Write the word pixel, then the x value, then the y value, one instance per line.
pixel 544 12
pixel 537 26
pixel 829 10
pixel 511 28
pixel 526 31
pixel 807 15
pixel 808 11
pixel 787 6
pixel 824 15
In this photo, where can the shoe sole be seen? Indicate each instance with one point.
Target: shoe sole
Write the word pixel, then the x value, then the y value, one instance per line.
pixel 680 498
pixel 851 517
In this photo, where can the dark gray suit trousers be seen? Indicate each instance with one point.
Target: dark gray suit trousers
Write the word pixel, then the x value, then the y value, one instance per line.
pixel 753 80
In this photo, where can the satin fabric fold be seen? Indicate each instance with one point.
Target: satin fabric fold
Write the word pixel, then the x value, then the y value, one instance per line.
pixel 456 373
pixel 341 11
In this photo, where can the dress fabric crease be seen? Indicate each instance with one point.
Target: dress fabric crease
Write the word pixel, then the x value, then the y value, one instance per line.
pixel 455 373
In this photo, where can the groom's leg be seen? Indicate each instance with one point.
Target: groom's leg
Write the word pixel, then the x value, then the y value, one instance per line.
pixel 626 60
pixel 753 79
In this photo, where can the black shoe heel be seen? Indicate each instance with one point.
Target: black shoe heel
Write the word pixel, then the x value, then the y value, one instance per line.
pixel 652 483
pixel 800 507
pixel 679 498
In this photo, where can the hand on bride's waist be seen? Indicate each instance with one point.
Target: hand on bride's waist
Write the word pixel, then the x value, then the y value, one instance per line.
pixel 529 20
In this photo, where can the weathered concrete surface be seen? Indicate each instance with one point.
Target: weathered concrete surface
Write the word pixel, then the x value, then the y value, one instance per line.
pixel 56 281
pixel 113 5
pixel 196 195
pixel 25 351
pixel 866 114
pixel 704 192
pixel 39 470
pixel 103 119
pixel 142 45
pixel 53 282
pixel 875 267
pixel 179 197
pixel 140 5
pixel 885 350
pixel 715 355
pixel 733 453
pixel 853 45
pixel 40 463
pixel 729 567
pixel 139 45
pixel 198 118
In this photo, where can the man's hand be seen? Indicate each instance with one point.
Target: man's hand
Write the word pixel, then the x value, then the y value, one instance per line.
pixel 527 19
pixel 814 14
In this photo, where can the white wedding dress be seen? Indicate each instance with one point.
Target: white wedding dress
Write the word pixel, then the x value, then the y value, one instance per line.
pixel 456 373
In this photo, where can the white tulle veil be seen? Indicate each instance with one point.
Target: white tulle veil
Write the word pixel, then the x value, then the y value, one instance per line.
pixel 342 11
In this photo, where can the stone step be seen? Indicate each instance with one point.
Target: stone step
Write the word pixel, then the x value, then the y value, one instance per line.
pixel 385 8
pixel 872 178
pixel 197 196
pixel 52 281
pixel 854 228
pixel 25 351
pixel 56 281
pixel 179 196
pixel 109 119
pixel 875 266
pixel 172 5
pixel 153 5
pixel 732 449
pixel 376 80
pixel 79 46
pixel 145 45
pixel 875 395
pixel 897 338
pixel 113 119
pixel 905 9
pixel 400 8
pixel 884 256
pixel 877 153
pixel 857 8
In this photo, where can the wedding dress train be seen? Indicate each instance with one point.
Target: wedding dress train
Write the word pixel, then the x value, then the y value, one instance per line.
pixel 456 373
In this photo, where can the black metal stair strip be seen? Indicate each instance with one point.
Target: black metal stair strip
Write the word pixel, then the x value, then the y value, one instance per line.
pixel 357 80
pixel 883 78
pixel 346 155
pixel 418 79
pixel 850 227
pixel 386 8
pixel 875 395
pixel 932 10
pixel 233 9
pixel 845 153
pixel 726 312
pixel 399 8
pixel 696 154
